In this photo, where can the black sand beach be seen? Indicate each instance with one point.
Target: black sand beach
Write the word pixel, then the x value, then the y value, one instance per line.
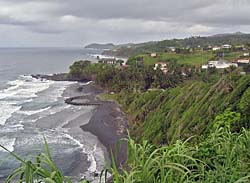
pixel 108 121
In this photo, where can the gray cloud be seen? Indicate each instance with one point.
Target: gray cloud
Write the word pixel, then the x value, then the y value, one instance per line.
pixel 81 21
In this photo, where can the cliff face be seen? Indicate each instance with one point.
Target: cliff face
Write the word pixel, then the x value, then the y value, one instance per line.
pixel 184 111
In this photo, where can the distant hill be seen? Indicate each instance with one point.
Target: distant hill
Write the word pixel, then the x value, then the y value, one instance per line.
pixel 228 34
pixel 107 46
pixel 237 38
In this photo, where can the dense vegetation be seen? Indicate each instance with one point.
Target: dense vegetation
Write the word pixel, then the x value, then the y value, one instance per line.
pixel 186 110
pixel 220 157
pixel 138 78
pixel 214 114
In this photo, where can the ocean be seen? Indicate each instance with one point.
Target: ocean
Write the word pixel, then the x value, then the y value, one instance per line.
pixel 31 109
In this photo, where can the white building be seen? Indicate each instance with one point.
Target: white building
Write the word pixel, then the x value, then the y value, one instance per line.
pixel 226 46
pixel 172 49
pixel 219 65
pixel 243 61
pixel 153 55
pixel 161 65
pixel 216 48
pixel 246 54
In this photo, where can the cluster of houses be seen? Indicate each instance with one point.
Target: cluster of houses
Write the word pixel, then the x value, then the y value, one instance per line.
pixel 222 64
pixel 219 64
pixel 163 66
pixel 225 46
pixel 207 48
pixel 217 48
pixel 189 49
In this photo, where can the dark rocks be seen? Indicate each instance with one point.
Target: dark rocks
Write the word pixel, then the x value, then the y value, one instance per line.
pixel 81 100
pixel 54 77
pixel 59 77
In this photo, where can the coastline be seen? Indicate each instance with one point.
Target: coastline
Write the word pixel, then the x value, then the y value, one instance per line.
pixel 108 122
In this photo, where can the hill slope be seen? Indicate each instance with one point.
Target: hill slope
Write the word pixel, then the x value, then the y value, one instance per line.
pixel 161 46
pixel 163 116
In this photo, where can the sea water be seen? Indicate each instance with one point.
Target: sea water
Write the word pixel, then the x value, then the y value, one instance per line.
pixel 31 109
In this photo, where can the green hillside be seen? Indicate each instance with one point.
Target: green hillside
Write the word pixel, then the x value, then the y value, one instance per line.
pixel 198 58
pixel 235 39
pixel 162 116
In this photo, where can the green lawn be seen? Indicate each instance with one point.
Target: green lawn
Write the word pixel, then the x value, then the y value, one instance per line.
pixel 233 55
pixel 197 58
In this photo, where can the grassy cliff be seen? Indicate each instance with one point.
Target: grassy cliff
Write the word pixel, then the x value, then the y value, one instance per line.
pixel 190 109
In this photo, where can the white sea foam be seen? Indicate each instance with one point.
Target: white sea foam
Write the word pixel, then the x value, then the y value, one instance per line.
pixel 24 90
pixel 20 91
pixel 84 84
pixel 8 143
pixel 57 92
pixel 30 90
pixel 11 129
pixel 93 166
pixel 59 109
pixel 47 113
pixel 24 87
pixel 91 158
pixel 6 111
pixel 34 112
pixel 16 127
pixel 14 85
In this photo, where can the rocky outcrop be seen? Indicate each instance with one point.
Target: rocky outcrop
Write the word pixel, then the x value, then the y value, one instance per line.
pixel 59 77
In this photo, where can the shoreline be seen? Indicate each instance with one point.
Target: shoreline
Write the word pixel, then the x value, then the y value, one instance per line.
pixel 108 122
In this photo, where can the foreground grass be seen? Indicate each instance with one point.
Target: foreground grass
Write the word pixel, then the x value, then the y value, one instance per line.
pixel 222 157
pixel 42 169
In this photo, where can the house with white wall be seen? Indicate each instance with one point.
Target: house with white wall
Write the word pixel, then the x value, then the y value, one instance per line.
pixel 163 66
pixel 153 55
pixel 219 64
pixel 226 46
pixel 216 48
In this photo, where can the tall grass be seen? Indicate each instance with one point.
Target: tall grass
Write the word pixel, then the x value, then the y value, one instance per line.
pixel 42 169
pixel 221 157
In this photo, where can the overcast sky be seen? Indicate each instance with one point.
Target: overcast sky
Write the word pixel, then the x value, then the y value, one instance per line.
pixel 79 22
